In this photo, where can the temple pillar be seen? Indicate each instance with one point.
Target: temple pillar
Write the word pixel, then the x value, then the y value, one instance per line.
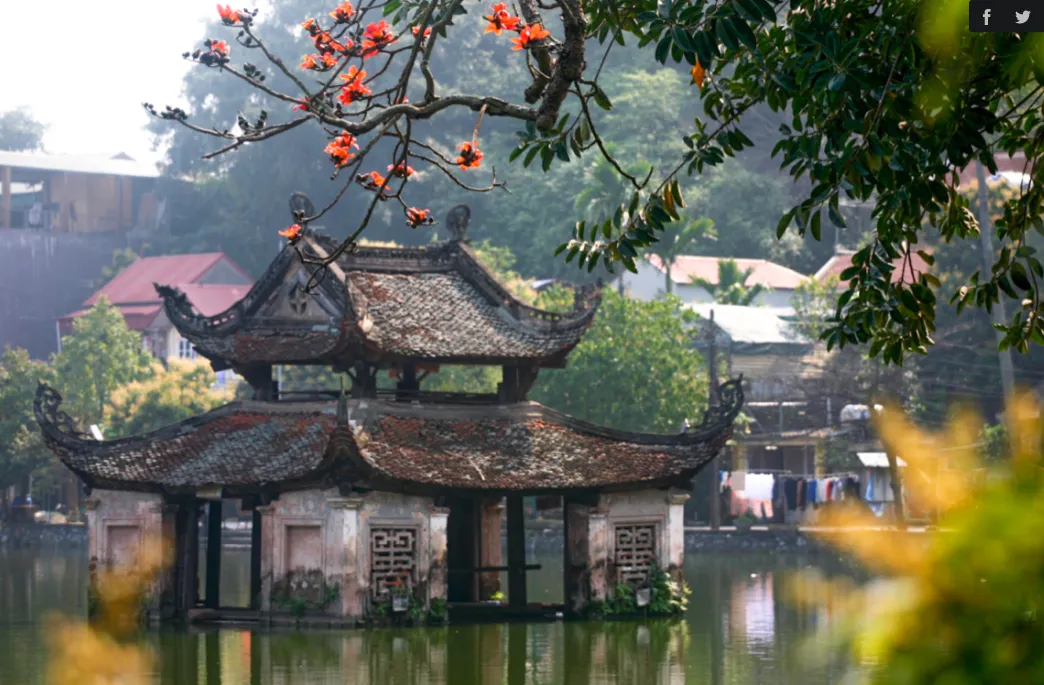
pixel 352 602
pixel 598 552
pixel 213 582
pixel 437 527
pixel 576 581
pixel 260 379
pixel 255 559
pixel 186 552
pixel 516 543
pixel 674 563
pixel 267 555
pixel 490 545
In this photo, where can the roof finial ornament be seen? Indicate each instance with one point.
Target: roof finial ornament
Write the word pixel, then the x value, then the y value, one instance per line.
pixel 457 220
pixel 300 207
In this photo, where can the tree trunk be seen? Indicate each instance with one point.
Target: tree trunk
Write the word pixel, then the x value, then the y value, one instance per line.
pixel 897 490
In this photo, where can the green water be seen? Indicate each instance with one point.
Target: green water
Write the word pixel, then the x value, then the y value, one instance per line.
pixel 738 631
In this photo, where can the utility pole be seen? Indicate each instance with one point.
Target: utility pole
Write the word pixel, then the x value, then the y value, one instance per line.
pixel 999 311
pixel 712 398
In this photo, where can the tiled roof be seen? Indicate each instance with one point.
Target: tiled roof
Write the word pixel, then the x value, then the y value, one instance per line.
pixel 903 273
pixel 133 293
pixel 117 165
pixel 764 273
pixel 247 445
pixel 435 303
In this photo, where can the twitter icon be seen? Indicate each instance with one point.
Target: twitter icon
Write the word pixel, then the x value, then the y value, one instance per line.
pixel 1022 17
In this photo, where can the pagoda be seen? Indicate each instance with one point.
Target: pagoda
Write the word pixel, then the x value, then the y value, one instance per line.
pixel 368 497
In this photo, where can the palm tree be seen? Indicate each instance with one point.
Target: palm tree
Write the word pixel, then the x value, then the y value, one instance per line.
pixel 731 287
pixel 605 189
pixel 677 239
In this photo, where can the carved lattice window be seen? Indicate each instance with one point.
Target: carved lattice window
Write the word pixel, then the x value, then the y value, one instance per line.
pixel 393 561
pixel 635 553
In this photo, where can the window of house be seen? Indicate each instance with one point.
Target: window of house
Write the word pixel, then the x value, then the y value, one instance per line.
pixel 185 349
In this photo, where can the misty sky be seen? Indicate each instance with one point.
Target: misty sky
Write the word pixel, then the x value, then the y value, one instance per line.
pixel 85 66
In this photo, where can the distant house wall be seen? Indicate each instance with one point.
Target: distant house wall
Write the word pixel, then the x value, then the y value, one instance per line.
pixel 91 203
pixel 648 284
pixel 44 276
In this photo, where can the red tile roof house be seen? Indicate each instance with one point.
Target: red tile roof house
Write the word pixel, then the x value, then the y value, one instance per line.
pixel 212 282
pixel 648 283
pixel 904 272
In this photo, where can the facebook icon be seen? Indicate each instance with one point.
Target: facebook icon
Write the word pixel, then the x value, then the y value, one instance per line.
pixel 1000 16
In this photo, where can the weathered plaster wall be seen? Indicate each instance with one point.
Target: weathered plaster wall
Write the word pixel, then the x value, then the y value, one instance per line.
pixel 322 531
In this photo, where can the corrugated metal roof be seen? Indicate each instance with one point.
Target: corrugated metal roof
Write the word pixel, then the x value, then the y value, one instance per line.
pixel 877 460
pixel 120 165
pixel 756 325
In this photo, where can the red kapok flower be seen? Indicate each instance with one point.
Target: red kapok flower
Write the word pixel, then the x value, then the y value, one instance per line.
pixel 355 88
pixel 376 37
pixel 291 233
pixel 228 16
pixel 323 62
pixel 500 19
pixel 416 31
pixel 301 106
pixel 219 46
pixel 527 35
pixel 310 25
pixel 372 179
pixel 470 156
pixel 340 149
pixel 343 13
pixel 418 217
pixel 402 170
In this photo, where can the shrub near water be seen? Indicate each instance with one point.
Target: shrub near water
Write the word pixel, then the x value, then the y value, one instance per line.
pixel 961 606
pixel 101 652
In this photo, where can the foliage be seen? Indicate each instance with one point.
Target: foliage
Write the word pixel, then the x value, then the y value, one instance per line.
pixel 121 259
pixel 438 611
pixel 679 240
pixel 101 355
pixel 21 446
pixel 302 591
pixel 666 598
pixel 20 132
pixel 958 607
pixel 731 287
pixel 875 105
pixel 168 395
pixel 995 442
pixel 653 386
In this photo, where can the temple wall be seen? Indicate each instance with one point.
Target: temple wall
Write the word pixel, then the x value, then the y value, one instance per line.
pixel 340 555
pixel 118 526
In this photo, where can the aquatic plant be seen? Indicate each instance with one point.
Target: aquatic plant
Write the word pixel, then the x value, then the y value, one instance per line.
pixel 960 605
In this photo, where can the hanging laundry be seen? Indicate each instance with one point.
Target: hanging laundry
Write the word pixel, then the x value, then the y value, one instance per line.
pixel 790 493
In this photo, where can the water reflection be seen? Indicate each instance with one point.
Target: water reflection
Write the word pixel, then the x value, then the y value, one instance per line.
pixel 738 631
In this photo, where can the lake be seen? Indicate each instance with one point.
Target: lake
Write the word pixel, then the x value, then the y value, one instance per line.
pixel 738 630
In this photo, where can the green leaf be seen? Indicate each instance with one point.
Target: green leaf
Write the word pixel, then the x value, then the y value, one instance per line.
pixel 391 6
pixel 547 155
pixel 663 48
pixel 784 222
pixel 561 248
pixel 745 34
pixel 1019 276
pixel 816 225
pixel 602 100
pixel 516 153
pixel 726 34
pixel 704 49
pixel 835 216
pixel 836 82
pixel 562 150
pixel 531 155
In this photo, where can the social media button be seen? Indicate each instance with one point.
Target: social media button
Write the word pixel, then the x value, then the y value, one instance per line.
pixel 998 16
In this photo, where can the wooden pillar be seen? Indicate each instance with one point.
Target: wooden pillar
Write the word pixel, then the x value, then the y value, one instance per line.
pixel 5 180
pixel 255 561
pixel 516 542
pixel 214 554
pixel 489 512
pixel 187 555
pixel 509 386
pixel 260 379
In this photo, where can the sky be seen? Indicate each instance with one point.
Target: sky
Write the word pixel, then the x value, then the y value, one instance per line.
pixel 112 56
